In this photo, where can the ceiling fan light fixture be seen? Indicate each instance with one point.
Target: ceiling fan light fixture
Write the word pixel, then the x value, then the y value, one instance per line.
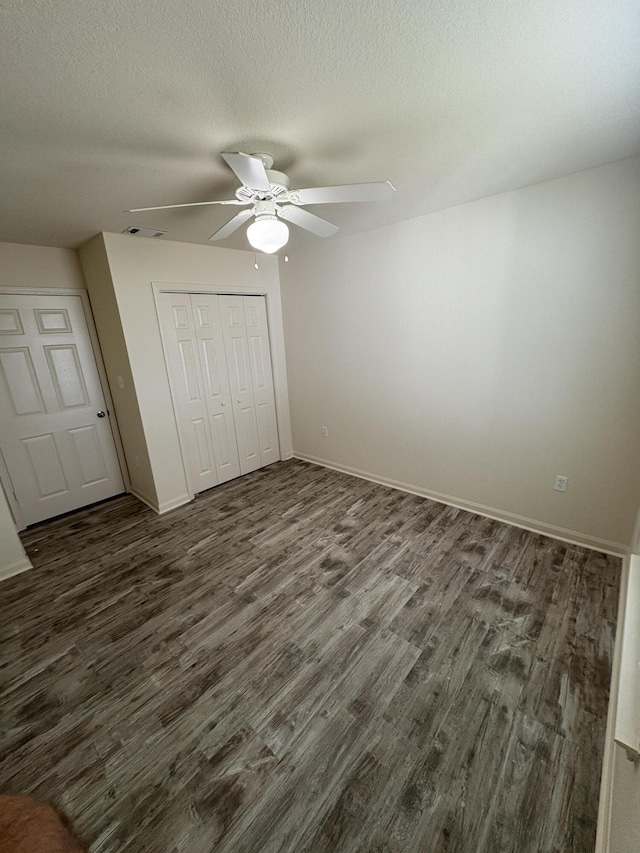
pixel 265 195
pixel 268 234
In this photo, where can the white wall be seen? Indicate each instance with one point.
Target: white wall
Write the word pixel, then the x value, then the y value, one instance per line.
pixel 134 263
pixel 625 809
pixel 475 352
pixel 116 360
pixel 39 266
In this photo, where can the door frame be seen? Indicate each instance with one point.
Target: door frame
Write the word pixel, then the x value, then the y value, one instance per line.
pixel 276 345
pixel 5 479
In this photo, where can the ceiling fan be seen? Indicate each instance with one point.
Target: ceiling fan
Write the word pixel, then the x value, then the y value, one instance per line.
pixel 266 195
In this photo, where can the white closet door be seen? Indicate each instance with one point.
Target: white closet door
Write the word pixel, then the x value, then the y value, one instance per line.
pixel 240 380
pixel 215 379
pixel 219 361
pixel 262 375
pixel 55 434
pixel 187 388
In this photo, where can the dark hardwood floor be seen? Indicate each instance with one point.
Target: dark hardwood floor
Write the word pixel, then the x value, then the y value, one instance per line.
pixel 303 661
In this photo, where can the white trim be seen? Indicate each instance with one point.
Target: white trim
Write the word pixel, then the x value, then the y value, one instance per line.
pixel 16 568
pixel 627 719
pixel 232 289
pixel 162 508
pixel 167 506
pixel 572 537
pixel 145 500
pixel 603 834
pixel 43 291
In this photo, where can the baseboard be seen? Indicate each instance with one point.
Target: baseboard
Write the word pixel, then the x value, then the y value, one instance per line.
pixel 174 504
pixel 145 500
pixel 16 568
pixel 609 757
pixel 160 509
pixel 572 537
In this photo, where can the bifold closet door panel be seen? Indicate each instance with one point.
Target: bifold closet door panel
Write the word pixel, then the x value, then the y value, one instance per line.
pixel 255 311
pixel 219 361
pixel 215 380
pixel 244 409
pixel 187 389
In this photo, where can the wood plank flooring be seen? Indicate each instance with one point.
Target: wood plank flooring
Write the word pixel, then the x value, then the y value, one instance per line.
pixel 303 661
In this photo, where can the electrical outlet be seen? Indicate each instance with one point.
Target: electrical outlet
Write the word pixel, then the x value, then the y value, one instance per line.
pixel 561 482
pixel 325 431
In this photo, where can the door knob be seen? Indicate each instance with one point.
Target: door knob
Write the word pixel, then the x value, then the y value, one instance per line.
pixel 222 403
pixel 102 414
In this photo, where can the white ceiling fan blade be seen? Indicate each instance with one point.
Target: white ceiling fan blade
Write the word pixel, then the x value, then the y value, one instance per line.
pixel 306 220
pixel 249 169
pixel 380 191
pixel 190 204
pixel 232 225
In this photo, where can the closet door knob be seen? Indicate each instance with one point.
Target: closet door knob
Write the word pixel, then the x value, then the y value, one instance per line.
pixel 101 414
pixel 222 403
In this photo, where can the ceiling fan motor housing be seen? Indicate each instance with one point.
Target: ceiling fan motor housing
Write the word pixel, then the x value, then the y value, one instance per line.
pixel 265 208
pixel 279 187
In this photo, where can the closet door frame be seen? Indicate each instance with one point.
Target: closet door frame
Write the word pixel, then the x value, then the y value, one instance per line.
pixel 276 340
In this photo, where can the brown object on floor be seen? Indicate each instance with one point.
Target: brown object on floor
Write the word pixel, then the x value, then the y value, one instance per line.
pixel 27 826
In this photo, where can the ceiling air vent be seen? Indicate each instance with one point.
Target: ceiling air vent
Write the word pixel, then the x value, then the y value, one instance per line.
pixel 143 232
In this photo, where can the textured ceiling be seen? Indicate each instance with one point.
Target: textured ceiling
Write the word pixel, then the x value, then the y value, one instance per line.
pixel 111 104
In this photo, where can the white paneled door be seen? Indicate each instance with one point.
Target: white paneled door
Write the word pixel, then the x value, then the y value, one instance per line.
pixel 55 434
pixel 195 355
pixel 244 322
pixel 226 419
